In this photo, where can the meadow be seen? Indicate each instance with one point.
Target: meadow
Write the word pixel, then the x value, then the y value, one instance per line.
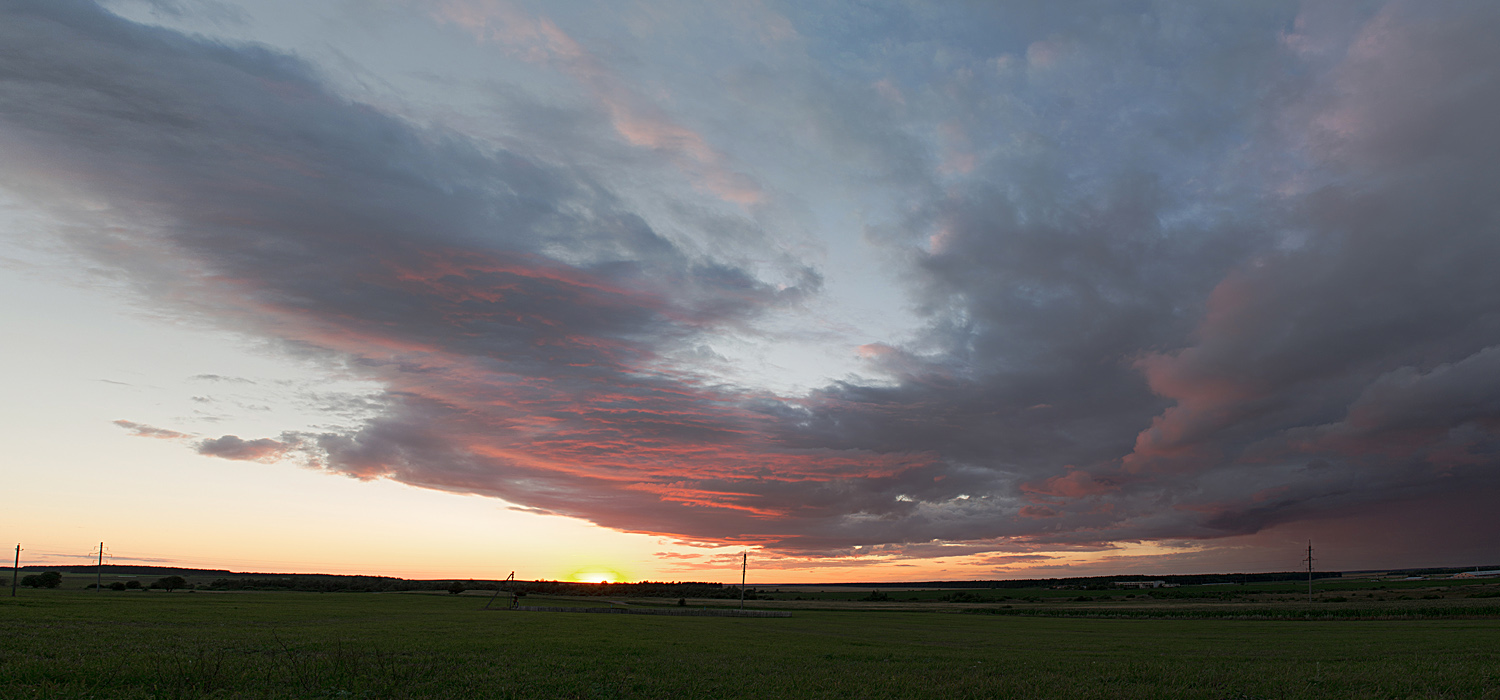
pixel 69 643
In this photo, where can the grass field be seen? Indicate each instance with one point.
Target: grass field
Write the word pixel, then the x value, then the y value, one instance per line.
pixel 75 644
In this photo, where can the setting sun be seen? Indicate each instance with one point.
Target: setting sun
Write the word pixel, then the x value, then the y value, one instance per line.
pixel 597 576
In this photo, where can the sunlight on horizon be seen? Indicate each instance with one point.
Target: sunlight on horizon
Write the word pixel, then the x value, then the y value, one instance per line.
pixel 598 576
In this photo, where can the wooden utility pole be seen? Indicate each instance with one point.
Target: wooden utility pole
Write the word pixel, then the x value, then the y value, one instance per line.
pixel 1309 561
pixel 99 572
pixel 744 563
pixel 15 570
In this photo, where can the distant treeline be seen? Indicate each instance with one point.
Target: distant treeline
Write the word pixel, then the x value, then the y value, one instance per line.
pixel 228 580
pixel 1437 572
pixel 325 584
pixel 377 584
pixel 126 570
pixel 1104 582
pixel 644 589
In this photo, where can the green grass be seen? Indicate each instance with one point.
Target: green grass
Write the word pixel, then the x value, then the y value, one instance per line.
pixel 72 644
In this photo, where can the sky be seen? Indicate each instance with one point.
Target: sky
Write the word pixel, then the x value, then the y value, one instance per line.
pixel 869 290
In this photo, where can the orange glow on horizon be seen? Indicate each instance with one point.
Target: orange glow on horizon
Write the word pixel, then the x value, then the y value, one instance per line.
pixel 597 575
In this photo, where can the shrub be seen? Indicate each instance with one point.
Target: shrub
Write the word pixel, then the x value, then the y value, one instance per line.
pixel 46 579
pixel 169 583
pixel 117 586
pixel 965 597
pixel 133 585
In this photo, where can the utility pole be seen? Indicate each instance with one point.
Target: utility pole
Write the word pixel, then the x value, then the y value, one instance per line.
pixel 99 572
pixel 15 570
pixel 499 586
pixel 1309 561
pixel 744 562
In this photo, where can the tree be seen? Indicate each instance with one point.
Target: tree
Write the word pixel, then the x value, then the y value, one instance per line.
pixel 117 586
pixel 456 588
pixel 170 583
pixel 46 579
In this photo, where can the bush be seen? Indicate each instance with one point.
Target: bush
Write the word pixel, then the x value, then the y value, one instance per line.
pixel 46 579
pixel 169 583
pixel 965 597
pixel 455 588
pixel 133 585
pixel 117 586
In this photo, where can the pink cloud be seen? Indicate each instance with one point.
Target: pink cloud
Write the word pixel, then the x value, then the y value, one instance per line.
pixel 1037 512
pixel 142 430
pixel 233 447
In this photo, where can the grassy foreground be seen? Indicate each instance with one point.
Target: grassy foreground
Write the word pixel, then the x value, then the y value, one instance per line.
pixel 70 644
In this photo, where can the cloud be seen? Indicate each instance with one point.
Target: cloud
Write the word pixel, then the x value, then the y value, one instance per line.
pixel 1191 341
pixel 221 378
pixel 635 119
pixel 1190 275
pixel 150 431
pixel 232 447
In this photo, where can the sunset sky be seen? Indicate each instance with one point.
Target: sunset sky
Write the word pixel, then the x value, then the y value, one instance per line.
pixel 871 290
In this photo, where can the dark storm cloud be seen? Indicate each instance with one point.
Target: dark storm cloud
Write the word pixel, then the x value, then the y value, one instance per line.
pixel 1146 360
pixel 1188 272
pixel 513 309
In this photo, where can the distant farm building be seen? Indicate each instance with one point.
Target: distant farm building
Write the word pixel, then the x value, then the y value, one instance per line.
pixel 1478 574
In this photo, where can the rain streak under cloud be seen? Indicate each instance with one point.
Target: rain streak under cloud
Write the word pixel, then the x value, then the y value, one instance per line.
pixel 845 282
